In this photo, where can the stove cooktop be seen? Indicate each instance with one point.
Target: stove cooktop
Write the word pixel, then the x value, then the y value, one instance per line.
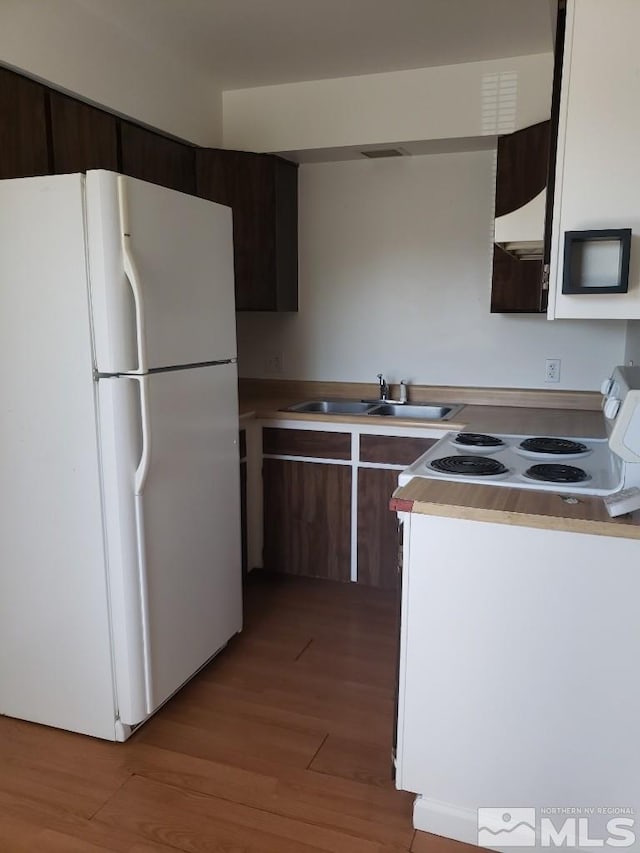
pixel 561 465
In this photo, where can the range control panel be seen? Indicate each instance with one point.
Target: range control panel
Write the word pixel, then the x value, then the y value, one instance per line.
pixel 621 407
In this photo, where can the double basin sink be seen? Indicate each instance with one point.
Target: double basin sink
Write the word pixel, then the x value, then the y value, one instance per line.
pixel 420 411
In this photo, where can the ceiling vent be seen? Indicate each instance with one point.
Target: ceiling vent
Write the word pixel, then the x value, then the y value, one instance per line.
pixel 379 153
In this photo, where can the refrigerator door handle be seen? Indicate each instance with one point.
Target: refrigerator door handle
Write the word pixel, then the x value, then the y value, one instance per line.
pixel 131 272
pixel 139 481
pixel 142 470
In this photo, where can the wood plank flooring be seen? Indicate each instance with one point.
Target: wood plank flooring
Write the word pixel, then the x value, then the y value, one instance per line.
pixel 281 745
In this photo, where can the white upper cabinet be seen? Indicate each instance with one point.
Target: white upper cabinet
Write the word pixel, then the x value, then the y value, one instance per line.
pixel 598 162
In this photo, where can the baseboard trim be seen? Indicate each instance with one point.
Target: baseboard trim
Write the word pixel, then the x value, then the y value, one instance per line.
pixel 445 819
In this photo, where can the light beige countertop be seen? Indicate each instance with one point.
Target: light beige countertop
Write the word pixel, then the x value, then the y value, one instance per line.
pixel 511 420
pixel 503 505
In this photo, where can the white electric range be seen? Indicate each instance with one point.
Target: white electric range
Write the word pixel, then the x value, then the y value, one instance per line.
pixel 563 465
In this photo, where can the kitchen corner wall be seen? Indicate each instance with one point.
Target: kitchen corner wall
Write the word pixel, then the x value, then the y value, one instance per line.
pixel 395 271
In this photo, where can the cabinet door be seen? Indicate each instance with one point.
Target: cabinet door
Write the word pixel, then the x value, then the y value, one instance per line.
pixel 377 528
pixel 523 164
pixel 516 285
pixel 23 127
pixel 157 159
pixel 598 168
pixel 286 234
pixel 523 159
pixel 83 137
pixel 554 128
pixel 254 206
pixel 262 190
pixel 245 182
pixel 307 518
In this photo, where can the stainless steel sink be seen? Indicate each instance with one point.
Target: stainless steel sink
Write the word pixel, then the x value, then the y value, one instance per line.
pixel 332 407
pixel 418 411
pixel 422 411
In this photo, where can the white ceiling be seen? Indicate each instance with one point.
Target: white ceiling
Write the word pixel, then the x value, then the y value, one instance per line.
pixel 246 43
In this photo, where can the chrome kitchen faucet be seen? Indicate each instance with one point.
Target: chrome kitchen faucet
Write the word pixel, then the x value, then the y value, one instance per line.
pixel 383 391
pixel 383 388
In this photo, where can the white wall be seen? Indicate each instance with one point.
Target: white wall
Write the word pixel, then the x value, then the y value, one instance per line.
pixel 395 276
pixel 632 352
pixel 67 44
pixel 446 102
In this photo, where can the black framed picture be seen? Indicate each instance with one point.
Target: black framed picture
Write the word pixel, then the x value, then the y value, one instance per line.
pixel 596 261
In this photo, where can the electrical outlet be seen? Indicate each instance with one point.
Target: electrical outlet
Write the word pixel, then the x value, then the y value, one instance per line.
pixel 552 370
pixel 273 364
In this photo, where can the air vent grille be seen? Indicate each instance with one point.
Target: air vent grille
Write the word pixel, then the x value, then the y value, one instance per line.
pixel 379 153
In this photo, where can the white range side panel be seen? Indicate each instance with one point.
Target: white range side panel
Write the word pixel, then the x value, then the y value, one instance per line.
pixel 598 167
pixel 182 248
pixel 520 683
pixel 55 661
pixel 176 584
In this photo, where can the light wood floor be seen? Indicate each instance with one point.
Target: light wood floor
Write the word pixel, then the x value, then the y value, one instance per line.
pixel 281 745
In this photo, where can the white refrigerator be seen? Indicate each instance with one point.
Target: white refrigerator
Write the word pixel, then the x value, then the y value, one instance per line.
pixel 120 558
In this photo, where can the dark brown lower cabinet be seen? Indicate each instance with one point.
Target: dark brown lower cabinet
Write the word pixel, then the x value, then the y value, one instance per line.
pixel 307 518
pixel 377 528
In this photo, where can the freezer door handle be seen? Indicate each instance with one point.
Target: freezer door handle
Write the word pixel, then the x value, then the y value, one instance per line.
pixel 131 272
pixel 142 471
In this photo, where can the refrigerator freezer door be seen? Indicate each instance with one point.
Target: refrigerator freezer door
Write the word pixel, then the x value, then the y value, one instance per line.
pixel 174 548
pixel 161 271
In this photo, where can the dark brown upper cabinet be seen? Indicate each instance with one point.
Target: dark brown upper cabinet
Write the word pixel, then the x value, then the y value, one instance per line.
pixel 83 137
pixel 522 167
pixel 156 158
pixel 23 127
pixel 262 190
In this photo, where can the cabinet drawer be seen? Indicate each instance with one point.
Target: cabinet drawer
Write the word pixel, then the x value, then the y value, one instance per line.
pixel 302 442
pixel 393 449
